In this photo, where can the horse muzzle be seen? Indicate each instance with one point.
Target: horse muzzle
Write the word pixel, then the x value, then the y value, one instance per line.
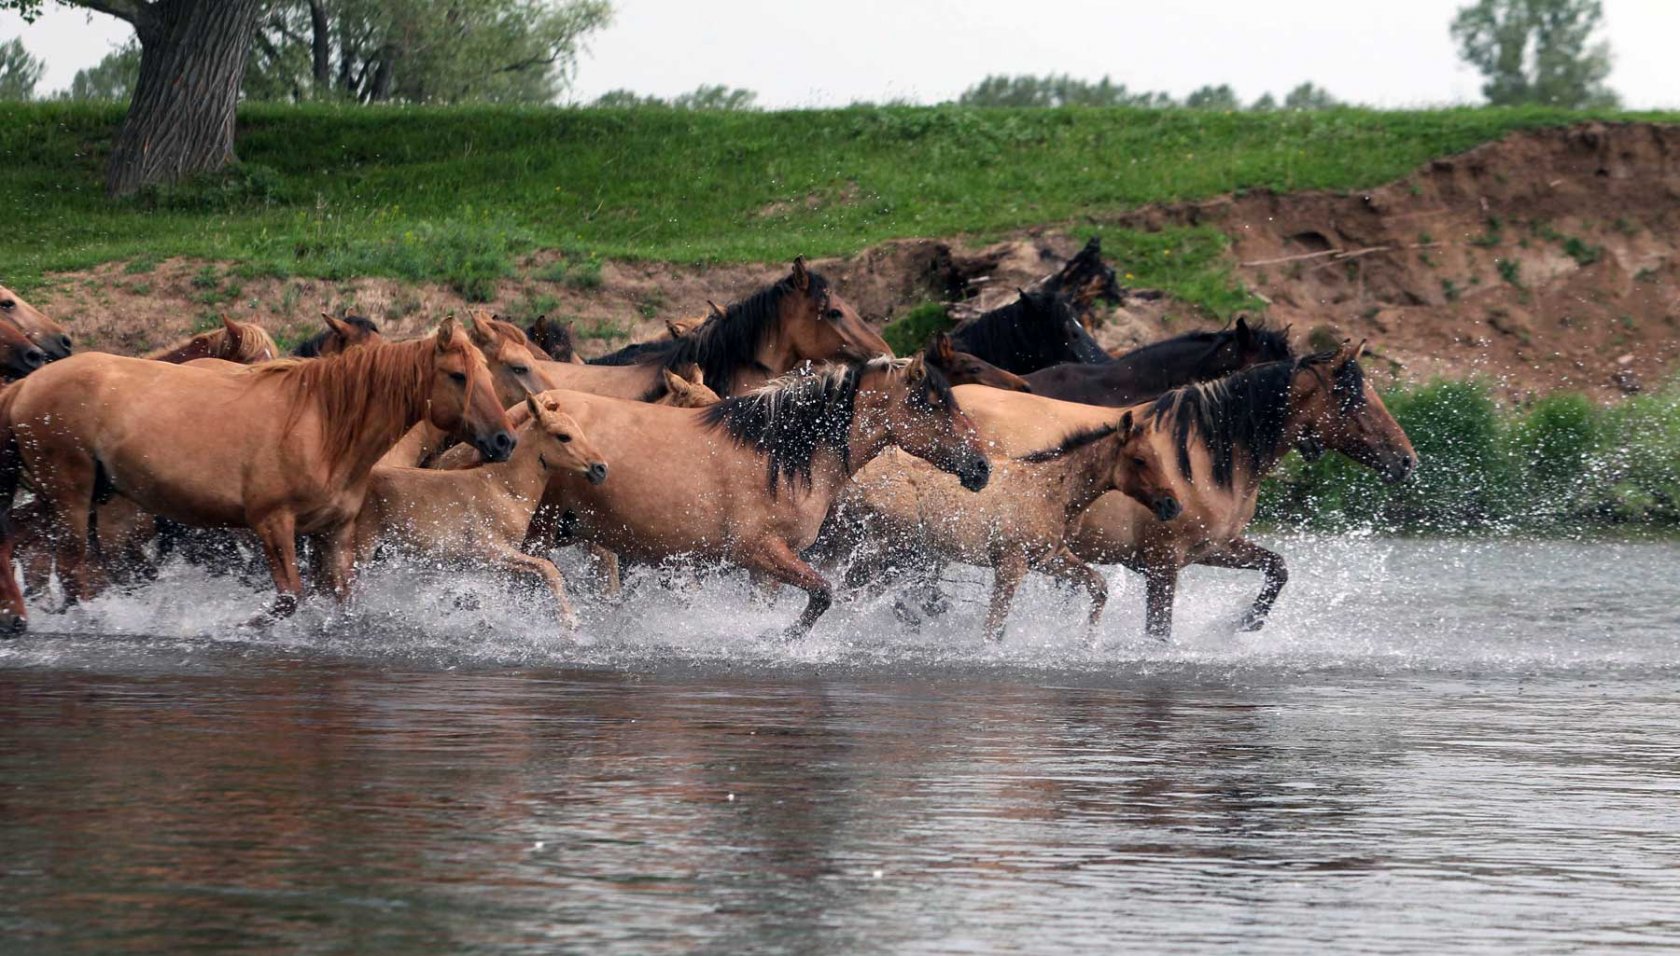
pixel 1166 508
pixel 975 474
pixel 1399 469
pixel 497 446
pixel 55 347
pixel 596 472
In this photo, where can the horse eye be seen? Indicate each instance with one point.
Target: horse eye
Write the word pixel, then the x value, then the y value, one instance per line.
pixel 1139 463
pixel 7 305
pixel 564 439
pixel 833 315
pixel 458 377
pixel 521 369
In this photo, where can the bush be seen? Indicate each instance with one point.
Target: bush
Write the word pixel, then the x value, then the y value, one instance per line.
pixel 908 334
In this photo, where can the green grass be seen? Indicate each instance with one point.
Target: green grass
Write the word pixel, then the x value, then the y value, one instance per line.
pixel 1562 464
pixel 463 194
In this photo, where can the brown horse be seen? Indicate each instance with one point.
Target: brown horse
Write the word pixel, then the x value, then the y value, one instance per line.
pixel 1221 439
pixel 338 337
pixel 44 333
pixel 282 448
pixel 1022 519
pixel 481 515
pixel 750 479
pixel 554 339
pixel 18 355
pixel 961 368
pixel 242 343
pixel 797 319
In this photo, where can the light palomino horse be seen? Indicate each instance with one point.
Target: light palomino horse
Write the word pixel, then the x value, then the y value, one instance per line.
pixel 750 479
pixel 242 343
pixel 44 333
pixel 480 515
pixel 283 448
pixel 1021 520
pixel 1222 439
pixel 797 319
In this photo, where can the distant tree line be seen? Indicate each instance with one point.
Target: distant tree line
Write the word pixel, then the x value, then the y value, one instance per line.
pixel 1062 90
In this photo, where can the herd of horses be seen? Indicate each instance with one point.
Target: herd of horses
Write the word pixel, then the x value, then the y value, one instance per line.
pixel 779 435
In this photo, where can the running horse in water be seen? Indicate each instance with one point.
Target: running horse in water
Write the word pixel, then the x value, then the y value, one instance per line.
pixel 1146 372
pixel 797 319
pixel 42 332
pixel 284 448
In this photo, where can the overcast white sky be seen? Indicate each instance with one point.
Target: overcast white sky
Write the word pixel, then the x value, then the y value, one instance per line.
pixel 803 53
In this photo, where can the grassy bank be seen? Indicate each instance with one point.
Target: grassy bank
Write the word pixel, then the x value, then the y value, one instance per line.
pixel 1561 464
pixel 462 194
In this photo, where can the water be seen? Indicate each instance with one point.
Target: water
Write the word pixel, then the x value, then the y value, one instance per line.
pixel 1433 745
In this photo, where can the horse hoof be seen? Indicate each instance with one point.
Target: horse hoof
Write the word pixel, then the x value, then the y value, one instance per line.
pixel 15 626
pixel 1251 623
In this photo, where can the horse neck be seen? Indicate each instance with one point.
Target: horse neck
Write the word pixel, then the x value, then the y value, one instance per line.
pixel 522 475
pixel 398 408
pixel 773 356
pixel 1084 473
pixel 182 353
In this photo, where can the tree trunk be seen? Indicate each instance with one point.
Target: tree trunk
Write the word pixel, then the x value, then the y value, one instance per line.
pixel 180 122
pixel 320 46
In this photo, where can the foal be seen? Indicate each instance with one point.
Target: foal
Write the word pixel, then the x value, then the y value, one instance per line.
pixel 480 515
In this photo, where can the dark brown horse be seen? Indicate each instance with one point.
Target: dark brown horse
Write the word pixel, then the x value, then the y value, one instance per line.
pixel 961 368
pixel 1085 280
pixel 1146 372
pixel 1037 330
pixel 340 335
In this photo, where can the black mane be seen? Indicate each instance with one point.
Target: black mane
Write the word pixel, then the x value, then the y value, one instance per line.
pixel 1071 442
pixel 1273 344
pixel 791 418
pixel 1036 331
pixel 1243 414
pixel 311 347
pixel 723 344
pixel 554 338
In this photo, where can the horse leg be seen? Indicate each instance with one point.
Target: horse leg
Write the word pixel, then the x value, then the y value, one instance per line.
pixel 774 559
pixel 607 576
pixel 1007 571
pixel 545 573
pixel 1160 586
pixel 335 560
pixel 15 615
pixel 1244 555
pixel 278 533
pixel 1063 564
pixel 68 487
pixel 32 540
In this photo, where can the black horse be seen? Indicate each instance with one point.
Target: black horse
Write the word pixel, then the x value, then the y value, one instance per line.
pixel 1146 372
pixel 1036 331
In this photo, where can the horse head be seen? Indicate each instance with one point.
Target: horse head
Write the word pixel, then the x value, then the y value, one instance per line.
pixel 42 332
pixel 247 343
pixel 1138 473
pixel 961 368
pixel 1335 407
pixel 508 355
pixel 562 446
pixel 462 400
pixel 818 325
pixel 912 403
pixel 18 355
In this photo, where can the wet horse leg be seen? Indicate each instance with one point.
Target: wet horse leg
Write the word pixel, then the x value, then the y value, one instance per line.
pixel 1160 586
pixel 774 559
pixel 67 486
pixel 545 573
pixel 1063 564
pixel 1007 571
pixel 1244 555
pixel 278 533
pixel 335 560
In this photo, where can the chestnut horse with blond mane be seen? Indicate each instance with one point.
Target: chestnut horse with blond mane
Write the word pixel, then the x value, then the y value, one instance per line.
pixel 283 448
pixel 242 343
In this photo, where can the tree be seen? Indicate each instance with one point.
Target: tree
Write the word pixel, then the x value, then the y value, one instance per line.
pixel 1265 104
pixel 1220 97
pixel 1056 90
pixel 20 70
pixel 1309 96
pixel 112 78
pixel 717 98
pixel 192 58
pixel 625 99
pixel 1537 51
pixel 420 51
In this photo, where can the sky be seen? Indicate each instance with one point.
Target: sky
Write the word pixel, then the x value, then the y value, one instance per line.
pixel 798 53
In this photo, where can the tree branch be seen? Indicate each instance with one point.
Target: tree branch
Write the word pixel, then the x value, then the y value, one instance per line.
pixel 128 10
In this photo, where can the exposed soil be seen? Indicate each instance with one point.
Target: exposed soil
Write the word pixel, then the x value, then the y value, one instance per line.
pixel 1545 260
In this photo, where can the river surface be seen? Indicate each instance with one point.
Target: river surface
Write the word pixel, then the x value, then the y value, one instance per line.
pixel 1434 745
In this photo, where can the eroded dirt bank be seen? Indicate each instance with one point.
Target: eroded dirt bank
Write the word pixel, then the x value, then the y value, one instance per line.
pixel 1545 260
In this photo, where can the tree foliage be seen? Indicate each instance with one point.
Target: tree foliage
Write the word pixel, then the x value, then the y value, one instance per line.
pixel 112 78
pixel 1537 51
pixel 1220 97
pixel 20 70
pixel 1056 90
pixel 420 51
pixel 702 98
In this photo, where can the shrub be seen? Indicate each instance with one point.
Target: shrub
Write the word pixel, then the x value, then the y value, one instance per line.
pixel 911 332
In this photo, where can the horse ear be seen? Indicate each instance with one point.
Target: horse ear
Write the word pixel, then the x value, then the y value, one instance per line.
pixel 916 370
pixel 675 383
pixel 533 405
pixel 944 350
pixel 1128 427
pixel 692 374
pixel 446 333
pixel 339 327
pixel 235 331
pixel 716 312
pixel 673 329
pixel 801 278
pixel 1245 335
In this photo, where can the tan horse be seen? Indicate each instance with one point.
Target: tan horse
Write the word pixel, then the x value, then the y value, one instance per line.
pixel 797 319
pixel 750 480
pixel 481 515
pixel 282 448
pixel 1022 519
pixel 47 335
pixel 242 343
pixel 1221 439
pixel 514 374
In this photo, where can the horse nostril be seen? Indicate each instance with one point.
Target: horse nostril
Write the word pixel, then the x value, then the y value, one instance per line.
pixel 1167 508
pixel 34 358
pixel 597 473
pixel 64 342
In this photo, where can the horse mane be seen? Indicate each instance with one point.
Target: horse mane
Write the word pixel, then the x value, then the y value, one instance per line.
pixel 789 419
pixel 724 343
pixel 1071 442
pixel 1273 343
pixel 1243 414
pixel 311 347
pixel 350 390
